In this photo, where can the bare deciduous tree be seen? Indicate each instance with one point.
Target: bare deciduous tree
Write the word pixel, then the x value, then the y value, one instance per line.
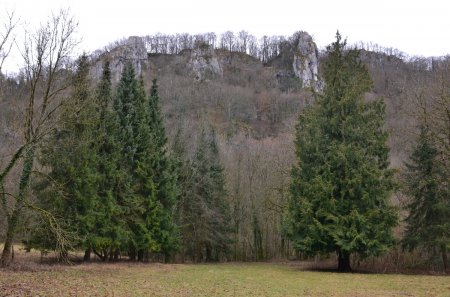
pixel 46 54
pixel 7 38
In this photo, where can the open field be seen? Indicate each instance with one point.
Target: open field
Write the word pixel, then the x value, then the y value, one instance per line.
pixel 236 279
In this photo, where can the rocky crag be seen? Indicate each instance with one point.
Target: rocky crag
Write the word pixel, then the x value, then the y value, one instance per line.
pixel 297 62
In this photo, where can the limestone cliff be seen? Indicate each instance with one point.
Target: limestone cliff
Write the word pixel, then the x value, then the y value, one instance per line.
pixel 305 59
pixel 203 64
pixel 131 50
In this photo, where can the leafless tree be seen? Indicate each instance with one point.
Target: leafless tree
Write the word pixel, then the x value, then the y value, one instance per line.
pixel 7 38
pixel 227 41
pixel 243 37
pixel 252 46
pixel 46 54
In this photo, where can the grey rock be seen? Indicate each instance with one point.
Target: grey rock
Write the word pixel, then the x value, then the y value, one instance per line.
pixel 306 60
pixel 203 64
pixel 131 50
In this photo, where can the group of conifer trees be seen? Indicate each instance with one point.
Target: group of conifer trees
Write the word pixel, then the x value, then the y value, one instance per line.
pixel 115 189
pixel 342 181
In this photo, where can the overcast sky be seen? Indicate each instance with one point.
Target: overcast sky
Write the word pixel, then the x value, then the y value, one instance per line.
pixel 416 27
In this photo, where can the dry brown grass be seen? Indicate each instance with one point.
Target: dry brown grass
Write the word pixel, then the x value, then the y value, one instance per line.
pixel 27 277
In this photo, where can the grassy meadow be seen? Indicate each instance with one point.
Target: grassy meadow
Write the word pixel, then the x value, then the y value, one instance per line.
pixel 235 279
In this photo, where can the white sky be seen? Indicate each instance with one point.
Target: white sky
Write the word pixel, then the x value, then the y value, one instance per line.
pixel 416 27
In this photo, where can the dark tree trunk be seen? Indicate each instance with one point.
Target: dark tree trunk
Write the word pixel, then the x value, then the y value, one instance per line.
pixel 111 255
pixel 101 255
pixel 344 262
pixel 168 257
pixel 12 225
pixel 87 255
pixel 209 257
pixel 63 256
pixel 13 220
pixel 140 255
pixel 444 257
pixel 132 255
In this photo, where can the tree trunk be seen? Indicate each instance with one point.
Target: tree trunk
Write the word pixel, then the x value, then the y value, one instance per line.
pixel 111 254
pixel 87 255
pixel 167 257
pixel 13 220
pixel 140 255
pixel 344 262
pixel 444 256
pixel 12 225
pixel 208 253
pixel 132 255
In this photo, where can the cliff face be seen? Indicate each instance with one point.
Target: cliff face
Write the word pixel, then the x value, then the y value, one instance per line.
pixel 305 59
pixel 203 64
pixel 132 50
pixel 295 67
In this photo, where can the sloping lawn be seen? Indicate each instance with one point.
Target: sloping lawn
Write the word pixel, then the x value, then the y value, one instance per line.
pixel 126 279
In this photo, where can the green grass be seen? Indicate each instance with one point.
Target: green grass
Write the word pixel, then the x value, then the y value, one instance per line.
pixel 256 279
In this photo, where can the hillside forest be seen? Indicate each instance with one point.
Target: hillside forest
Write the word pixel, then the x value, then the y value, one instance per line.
pixel 207 148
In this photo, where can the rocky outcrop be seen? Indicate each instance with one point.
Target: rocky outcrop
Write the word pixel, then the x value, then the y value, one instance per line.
pixel 131 50
pixel 203 64
pixel 305 59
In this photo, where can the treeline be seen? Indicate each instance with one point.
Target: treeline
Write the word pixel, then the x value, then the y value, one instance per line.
pixel 265 48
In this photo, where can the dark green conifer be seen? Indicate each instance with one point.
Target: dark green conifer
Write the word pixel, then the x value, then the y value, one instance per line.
pixel 205 214
pixel 69 189
pixel 341 183
pixel 150 193
pixel 428 221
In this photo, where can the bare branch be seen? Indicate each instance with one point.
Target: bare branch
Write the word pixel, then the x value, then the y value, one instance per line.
pixel 7 39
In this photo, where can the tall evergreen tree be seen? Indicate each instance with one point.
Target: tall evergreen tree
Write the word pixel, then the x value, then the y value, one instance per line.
pixel 428 222
pixel 110 231
pixel 69 190
pixel 341 183
pixel 136 189
pixel 149 194
pixel 206 217
pixel 165 172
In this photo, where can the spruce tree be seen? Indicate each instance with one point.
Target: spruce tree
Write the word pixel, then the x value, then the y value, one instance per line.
pixel 149 191
pixel 428 221
pixel 69 189
pixel 206 217
pixel 165 169
pixel 133 191
pixel 341 183
pixel 110 230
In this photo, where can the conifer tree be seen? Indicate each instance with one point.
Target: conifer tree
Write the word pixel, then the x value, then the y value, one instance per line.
pixel 341 183
pixel 69 190
pixel 165 175
pixel 150 191
pixel 428 222
pixel 205 214
pixel 136 188
pixel 110 231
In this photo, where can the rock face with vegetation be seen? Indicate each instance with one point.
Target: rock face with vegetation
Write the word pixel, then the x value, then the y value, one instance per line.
pixel 203 63
pixel 132 50
pixel 306 59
